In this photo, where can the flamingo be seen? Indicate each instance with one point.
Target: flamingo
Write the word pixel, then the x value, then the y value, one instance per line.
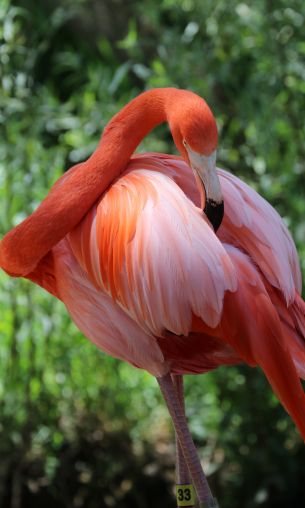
pixel 169 263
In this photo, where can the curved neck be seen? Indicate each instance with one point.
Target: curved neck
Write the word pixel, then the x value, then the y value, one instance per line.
pixel 76 191
pixel 128 128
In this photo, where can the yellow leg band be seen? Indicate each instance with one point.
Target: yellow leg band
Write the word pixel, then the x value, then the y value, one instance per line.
pixel 185 495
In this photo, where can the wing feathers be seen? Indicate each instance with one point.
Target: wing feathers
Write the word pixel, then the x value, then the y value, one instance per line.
pixel 101 319
pixel 158 256
pixel 254 226
pixel 250 222
pixel 259 337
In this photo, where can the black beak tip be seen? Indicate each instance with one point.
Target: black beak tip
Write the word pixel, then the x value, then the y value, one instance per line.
pixel 214 212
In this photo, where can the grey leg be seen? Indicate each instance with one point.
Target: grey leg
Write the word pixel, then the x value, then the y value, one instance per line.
pixel 200 482
pixel 182 473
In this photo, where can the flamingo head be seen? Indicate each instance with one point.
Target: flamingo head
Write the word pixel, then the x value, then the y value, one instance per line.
pixel 194 131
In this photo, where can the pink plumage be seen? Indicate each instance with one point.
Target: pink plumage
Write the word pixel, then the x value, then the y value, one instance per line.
pixel 123 242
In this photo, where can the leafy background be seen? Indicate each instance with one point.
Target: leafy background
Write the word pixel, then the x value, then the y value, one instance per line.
pixel 79 429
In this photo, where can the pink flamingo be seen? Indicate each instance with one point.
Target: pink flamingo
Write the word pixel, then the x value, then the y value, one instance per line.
pixel 127 243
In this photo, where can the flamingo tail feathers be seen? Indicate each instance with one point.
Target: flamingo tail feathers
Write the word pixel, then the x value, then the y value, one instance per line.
pixel 273 354
pixel 260 338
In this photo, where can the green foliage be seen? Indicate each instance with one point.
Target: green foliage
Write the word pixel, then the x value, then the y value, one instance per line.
pixel 78 428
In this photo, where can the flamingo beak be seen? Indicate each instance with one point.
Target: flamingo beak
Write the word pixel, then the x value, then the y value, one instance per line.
pixel 204 168
pixel 214 212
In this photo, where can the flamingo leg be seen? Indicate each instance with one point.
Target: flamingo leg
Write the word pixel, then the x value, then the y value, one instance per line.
pixel 183 475
pixel 204 494
pixel 182 472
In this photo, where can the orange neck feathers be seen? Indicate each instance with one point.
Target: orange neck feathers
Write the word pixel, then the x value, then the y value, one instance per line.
pixel 75 192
